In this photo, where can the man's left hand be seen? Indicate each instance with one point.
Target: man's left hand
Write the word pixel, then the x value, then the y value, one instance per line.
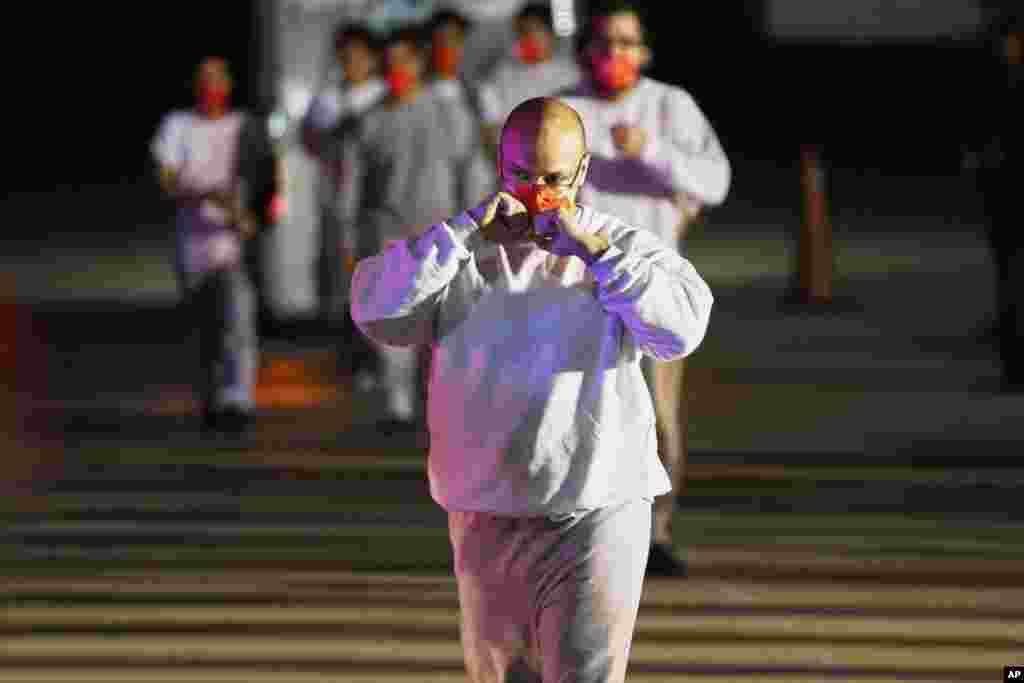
pixel 557 231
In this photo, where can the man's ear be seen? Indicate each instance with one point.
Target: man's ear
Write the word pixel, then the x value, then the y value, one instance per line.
pixel 646 57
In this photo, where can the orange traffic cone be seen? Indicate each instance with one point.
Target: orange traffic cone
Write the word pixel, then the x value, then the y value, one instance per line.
pixel 814 251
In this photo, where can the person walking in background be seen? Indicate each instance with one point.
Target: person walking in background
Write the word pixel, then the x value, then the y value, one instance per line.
pixel 542 440
pixel 355 87
pixel 535 70
pixel 263 174
pixel 656 161
pixel 998 164
pixel 196 152
pixel 459 100
pixel 404 168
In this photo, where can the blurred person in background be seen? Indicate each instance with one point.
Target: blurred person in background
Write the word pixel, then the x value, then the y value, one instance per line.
pixel 197 154
pixel 542 440
pixel 459 99
pixel 264 181
pixel 535 70
pixel 404 167
pixel 656 161
pixel 354 87
pixel 997 161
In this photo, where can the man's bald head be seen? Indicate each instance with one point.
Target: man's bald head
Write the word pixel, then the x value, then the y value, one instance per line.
pixel 544 118
pixel 543 138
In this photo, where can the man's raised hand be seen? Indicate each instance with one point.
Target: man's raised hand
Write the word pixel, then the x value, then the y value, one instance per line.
pixel 503 219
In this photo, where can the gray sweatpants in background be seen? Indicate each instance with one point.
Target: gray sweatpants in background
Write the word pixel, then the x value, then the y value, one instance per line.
pixel 221 309
pixel 550 600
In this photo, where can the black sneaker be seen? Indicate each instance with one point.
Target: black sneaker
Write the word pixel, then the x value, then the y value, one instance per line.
pixel 229 421
pixel 663 562
pixel 235 421
pixel 395 425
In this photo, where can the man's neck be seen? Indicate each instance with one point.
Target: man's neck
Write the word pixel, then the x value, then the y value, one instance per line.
pixel 407 98
pixel 541 60
pixel 213 114
pixel 614 95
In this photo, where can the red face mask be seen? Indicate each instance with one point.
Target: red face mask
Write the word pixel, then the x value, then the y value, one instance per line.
pixel 446 59
pixel 212 98
pixel 401 79
pixel 530 49
pixel 614 74
pixel 539 199
pixel 277 208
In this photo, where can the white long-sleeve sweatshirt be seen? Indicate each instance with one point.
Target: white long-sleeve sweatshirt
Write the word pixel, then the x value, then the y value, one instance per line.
pixel 681 157
pixel 537 402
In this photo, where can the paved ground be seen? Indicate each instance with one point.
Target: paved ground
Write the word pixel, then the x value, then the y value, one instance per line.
pixel 898 370
pixel 303 626
pixel 853 507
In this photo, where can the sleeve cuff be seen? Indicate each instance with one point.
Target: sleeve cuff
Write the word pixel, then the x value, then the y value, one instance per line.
pixel 465 232
pixel 604 268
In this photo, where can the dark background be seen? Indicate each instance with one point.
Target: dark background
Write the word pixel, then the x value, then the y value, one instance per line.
pixel 901 108
pixel 113 72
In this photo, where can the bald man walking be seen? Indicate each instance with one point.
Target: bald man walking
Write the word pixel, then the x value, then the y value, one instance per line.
pixel 543 443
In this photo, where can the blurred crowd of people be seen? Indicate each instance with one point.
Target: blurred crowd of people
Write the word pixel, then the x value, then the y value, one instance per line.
pixel 408 141
pixel 405 140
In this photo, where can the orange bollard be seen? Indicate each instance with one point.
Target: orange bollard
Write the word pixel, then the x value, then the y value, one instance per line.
pixel 32 452
pixel 814 251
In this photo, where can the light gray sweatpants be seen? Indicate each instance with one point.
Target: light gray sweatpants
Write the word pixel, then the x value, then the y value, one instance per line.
pixel 550 600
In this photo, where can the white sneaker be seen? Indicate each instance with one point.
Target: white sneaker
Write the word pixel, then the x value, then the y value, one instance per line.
pixel 365 381
pixel 400 403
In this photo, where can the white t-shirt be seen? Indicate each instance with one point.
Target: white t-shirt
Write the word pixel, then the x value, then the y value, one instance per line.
pixel 203 151
pixel 681 156
pixel 514 82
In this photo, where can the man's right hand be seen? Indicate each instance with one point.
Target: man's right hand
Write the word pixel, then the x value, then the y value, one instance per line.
pixel 503 219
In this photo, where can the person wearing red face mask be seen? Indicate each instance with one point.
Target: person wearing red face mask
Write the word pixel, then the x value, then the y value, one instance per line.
pixel 542 441
pixel 656 162
pixel 405 170
pixel 197 152
pixel 535 69
pixel 355 88
pixel 459 99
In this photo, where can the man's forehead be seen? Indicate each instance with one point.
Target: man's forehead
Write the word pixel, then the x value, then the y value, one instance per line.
pixel 402 48
pixel 545 134
pixel 449 28
pixel 619 23
pixel 541 155
pixel 531 24
pixel 213 68
pixel 354 43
